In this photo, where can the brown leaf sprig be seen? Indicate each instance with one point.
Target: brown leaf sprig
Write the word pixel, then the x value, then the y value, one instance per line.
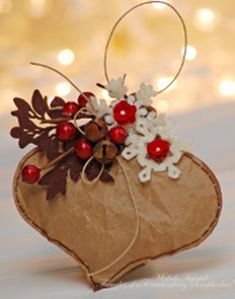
pixel 29 130
pixel 37 125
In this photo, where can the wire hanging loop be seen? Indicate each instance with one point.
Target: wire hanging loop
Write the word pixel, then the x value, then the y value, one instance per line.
pixel 105 64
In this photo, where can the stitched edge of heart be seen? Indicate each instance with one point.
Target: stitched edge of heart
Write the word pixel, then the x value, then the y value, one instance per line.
pixel 133 264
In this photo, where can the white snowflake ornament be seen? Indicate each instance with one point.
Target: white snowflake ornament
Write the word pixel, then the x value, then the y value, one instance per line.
pixel 116 88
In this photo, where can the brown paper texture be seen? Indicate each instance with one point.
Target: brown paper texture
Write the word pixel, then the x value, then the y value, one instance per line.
pixel 94 224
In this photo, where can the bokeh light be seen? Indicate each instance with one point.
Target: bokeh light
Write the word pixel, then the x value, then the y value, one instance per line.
pixel 66 56
pixel 191 52
pixel 162 82
pixel 227 88
pixel 63 88
pixel 205 19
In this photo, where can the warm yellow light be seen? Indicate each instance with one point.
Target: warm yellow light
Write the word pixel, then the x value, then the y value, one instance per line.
pixel 162 106
pixel 205 15
pixel 66 57
pixel 39 8
pixel 159 6
pixel 63 88
pixel 5 6
pixel 227 88
pixel 191 53
pixel 205 19
pixel 164 81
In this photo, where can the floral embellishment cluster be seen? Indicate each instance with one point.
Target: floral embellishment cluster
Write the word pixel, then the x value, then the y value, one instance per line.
pixel 150 137
pixel 87 135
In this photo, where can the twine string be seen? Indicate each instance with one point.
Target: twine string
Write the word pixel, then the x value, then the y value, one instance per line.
pixel 75 119
pixel 105 63
pixel 84 176
pixel 64 76
pixel 137 226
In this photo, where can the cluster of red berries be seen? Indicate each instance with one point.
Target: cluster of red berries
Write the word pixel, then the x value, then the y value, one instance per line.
pixel 66 131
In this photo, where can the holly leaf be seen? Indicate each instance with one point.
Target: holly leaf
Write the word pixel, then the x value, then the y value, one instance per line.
pixel 39 103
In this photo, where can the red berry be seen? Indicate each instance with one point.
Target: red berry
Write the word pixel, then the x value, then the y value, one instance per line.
pixel 30 174
pixel 118 135
pixel 84 97
pixel 83 149
pixel 66 131
pixel 70 109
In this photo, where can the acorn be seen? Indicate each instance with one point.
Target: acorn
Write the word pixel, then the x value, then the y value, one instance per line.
pixel 96 130
pixel 105 151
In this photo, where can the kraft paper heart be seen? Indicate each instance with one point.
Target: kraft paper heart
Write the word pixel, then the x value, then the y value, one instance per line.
pixel 111 184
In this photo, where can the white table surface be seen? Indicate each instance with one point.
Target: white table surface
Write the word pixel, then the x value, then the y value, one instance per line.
pixel 30 267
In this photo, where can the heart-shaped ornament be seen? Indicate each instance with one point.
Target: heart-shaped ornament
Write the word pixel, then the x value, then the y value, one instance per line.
pixel 94 224
pixel 109 183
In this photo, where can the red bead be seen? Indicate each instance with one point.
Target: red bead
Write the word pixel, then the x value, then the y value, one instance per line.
pixel 66 131
pixel 70 109
pixel 84 97
pixel 83 149
pixel 30 174
pixel 158 149
pixel 118 135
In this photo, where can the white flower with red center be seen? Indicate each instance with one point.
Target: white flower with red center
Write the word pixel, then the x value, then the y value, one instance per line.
pixel 126 109
pixel 154 146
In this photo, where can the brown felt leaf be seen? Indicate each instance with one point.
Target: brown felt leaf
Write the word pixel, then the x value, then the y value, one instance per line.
pixel 55 180
pixel 22 105
pixel 57 103
pixel 92 170
pixel 28 132
pixel 39 103
pixel 106 177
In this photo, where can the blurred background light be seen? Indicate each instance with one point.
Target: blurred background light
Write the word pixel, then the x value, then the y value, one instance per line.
pixel 191 52
pixel 162 106
pixel 5 6
pixel 205 19
pixel 66 56
pixel 162 82
pixel 38 8
pixel 227 88
pixel 63 88
pixel 145 47
pixel 159 6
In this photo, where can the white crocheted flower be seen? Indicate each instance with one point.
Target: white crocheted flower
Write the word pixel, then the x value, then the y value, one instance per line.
pixel 99 108
pixel 116 88
pixel 144 95
pixel 146 130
